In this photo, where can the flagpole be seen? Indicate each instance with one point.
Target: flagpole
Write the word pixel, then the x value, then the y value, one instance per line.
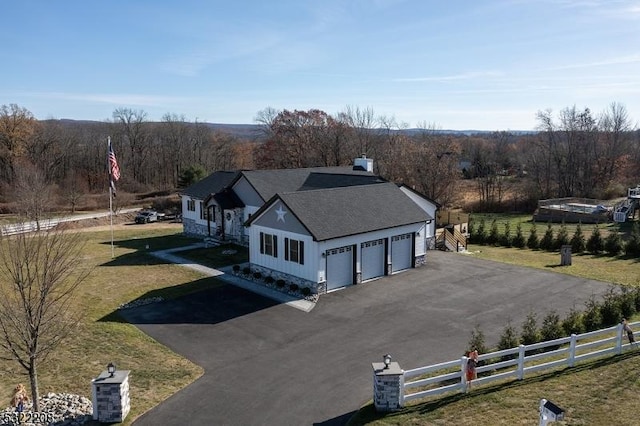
pixel 110 195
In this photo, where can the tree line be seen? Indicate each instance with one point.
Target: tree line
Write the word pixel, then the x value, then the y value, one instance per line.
pixel 572 153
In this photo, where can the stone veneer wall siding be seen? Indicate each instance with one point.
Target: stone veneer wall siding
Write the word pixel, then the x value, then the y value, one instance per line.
pixel 192 228
pixel 420 260
pixel 291 279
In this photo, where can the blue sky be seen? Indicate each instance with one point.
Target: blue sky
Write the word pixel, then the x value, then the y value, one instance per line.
pixel 486 65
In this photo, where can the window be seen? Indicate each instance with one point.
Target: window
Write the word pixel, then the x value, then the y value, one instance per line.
pixel 294 251
pixel 269 244
pixel 191 205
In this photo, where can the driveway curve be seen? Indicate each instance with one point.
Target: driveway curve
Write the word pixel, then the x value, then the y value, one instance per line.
pixel 269 364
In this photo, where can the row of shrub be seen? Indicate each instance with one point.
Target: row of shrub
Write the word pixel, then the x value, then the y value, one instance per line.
pixel 279 283
pixel 616 303
pixel 612 245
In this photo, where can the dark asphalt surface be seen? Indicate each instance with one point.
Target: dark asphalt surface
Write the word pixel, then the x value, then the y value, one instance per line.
pixel 270 364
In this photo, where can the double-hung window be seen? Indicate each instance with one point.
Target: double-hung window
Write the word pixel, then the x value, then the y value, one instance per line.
pixel 269 244
pixel 294 251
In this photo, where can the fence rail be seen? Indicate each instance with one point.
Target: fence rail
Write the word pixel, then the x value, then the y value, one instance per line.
pixel 514 363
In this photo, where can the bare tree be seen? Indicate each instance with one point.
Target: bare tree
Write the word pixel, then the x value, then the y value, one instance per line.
pixel 33 194
pixel 39 277
pixel 17 125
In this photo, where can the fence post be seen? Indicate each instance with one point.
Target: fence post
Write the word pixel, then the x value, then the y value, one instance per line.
pixel 463 376
pixel 521 353
pixel 619 339
pixel 388 386
pixel 572 349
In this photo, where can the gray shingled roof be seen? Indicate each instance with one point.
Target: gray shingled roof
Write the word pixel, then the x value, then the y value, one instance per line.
pixel 339 212
pixel 212 184
pixel 270 182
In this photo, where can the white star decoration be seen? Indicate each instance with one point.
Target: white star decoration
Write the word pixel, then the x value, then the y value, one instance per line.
pixel 280 214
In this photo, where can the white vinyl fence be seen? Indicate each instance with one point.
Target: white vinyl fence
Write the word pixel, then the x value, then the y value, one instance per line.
pixel 527 360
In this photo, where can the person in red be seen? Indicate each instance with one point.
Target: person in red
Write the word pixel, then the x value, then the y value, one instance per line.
pixel 472 364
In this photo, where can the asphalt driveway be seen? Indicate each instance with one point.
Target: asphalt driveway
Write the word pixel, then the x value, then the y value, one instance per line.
pixel 269 364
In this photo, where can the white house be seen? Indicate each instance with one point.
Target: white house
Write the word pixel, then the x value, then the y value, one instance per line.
pixel 322 228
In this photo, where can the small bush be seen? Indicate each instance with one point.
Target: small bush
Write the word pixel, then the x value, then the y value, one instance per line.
pixel 507 239
pixel 627 302
pixel 613 243
pixel 551 329
pixel 578 245
pixel 293 287
pixel 236 268
pixel 477 340
pixel 632 247
pixel 269 280
pixel 547 241
pixel 572 323
pixel 246 270
pixel 509 339
pixel 257 275
pixel 518 240
pixel 306 291
pixel 533 242
pixel 592 318
pixel 481 233
pixel 562 238
pixel 280 283
pixel 595 244
pixel 494 235
pixel 610 311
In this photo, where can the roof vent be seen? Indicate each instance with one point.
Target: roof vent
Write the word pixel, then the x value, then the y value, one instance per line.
pixel 363 163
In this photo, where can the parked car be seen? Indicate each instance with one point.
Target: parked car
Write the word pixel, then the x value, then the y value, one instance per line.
pixel 147 216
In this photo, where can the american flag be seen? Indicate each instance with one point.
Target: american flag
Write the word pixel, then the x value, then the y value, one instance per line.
pixel 114 169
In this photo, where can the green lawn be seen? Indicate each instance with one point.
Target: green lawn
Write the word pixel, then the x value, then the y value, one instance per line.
pixel 101 337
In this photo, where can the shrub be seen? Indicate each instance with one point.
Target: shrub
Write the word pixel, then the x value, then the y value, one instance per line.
pixel 494 236
pixel 636 297
pixel 578 244
pixel 306 291
pixel 477 340
pixel 562 238
pixel 547 241
pixel 257 275
pixel 246 270
pixel 613 243
pixel 507 239
pixel 509 339
pixel 627 302
pixel 533 242
pixel 269 280
pixel 293 287
pixel 280 283
pixel 572 323
pixel 551 329
pixel 481 233
pixel 610 311
pixel 632 247
pixel 591 318
pixel 530 333
pixel 595 244
pixel 518 240
pixel 236 268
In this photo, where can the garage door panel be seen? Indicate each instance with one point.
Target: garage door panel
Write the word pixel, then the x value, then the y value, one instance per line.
pixel 401 253
pixel 372 260
pixel 339 267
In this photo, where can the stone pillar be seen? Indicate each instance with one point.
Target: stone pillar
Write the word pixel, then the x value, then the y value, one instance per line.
pixel 110 396
pixel 388 386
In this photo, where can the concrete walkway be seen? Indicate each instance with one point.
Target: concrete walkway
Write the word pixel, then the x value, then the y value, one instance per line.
pixel 225 274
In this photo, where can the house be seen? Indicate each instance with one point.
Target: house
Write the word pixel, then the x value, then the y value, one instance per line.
pixel 322 228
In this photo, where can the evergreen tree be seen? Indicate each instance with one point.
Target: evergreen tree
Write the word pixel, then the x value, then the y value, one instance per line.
pixel 481 233
pixel 546 243
pixel 551 327
pixel 518 240
pixel 472 231
pixel 632 247
pixel 494 234
pixel 509 339
pixel 578 244
pixel 530 333
pixel 477 340
pixel 572 323
pixel 592 318
pixel 507 240
pixel 613 242
pixel 610 312
pixel 562 238
pixel 595 244
pixel 533 242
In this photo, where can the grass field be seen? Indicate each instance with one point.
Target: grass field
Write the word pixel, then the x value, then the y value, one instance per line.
pixel 101 337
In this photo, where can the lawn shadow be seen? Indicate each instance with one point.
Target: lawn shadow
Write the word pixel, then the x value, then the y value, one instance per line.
pixel 204 301
pixel 143 246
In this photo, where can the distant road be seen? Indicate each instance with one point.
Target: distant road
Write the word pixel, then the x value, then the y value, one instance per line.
pixel 19 228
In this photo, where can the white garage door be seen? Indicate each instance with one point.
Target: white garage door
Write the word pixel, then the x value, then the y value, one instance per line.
pixel 372 259
pixel 401 252
pixel 339 267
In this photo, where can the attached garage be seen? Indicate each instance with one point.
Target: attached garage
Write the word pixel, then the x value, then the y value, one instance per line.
pixel 372 259
pixel 401 254
pixel 339 267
